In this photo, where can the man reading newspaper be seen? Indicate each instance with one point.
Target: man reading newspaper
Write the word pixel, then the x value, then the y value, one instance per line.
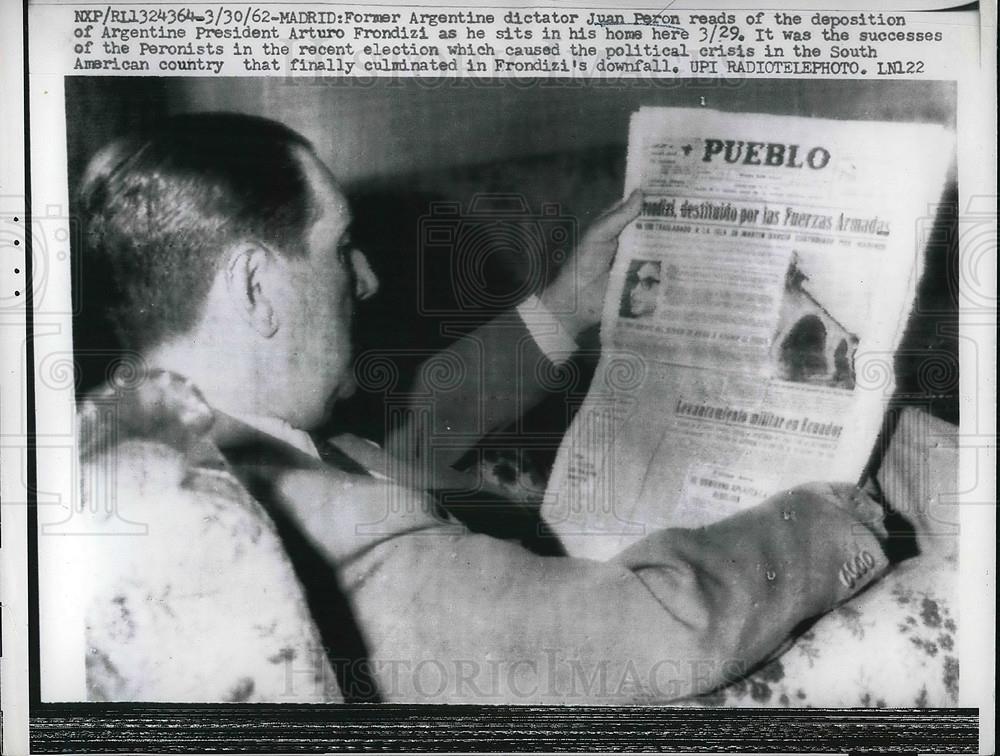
pixel 276 568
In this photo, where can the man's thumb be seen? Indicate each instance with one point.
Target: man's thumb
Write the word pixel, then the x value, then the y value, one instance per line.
pixel 614 221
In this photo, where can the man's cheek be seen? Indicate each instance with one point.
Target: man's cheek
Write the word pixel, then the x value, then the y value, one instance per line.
pixel 347 387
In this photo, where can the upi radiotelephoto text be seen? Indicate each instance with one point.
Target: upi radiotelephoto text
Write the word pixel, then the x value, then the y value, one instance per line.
pixel 269 40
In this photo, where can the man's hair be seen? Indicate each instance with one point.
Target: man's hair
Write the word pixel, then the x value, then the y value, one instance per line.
pixel 161 209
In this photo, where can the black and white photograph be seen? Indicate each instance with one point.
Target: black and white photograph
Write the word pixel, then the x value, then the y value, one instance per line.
pixel 643 284
pixel 326 344
pixel 332 342
pixel 811 344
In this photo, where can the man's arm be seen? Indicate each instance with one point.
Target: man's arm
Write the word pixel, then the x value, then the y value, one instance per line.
pixel 498 373
pixel 455 617
pixel 501 371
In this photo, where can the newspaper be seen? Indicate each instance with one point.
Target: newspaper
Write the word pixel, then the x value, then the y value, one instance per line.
pixel 751 318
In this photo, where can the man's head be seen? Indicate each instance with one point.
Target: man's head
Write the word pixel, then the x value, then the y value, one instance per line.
pixel 229 247
pixel 645 290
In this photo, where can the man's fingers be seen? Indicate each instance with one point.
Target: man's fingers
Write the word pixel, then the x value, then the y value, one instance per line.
pixel 614 221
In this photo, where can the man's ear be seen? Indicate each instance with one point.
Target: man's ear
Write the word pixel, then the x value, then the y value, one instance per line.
pixel 248 270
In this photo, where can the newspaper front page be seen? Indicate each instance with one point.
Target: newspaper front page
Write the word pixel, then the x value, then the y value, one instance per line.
pixel 753 308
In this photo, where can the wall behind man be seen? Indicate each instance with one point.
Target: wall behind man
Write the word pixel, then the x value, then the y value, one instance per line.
pixel 387 127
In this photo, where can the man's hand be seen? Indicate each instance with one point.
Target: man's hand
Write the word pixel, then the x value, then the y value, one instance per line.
pixel 849 498
pixel 576 296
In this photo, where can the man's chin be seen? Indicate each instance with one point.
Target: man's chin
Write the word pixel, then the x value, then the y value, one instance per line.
pixel 345 390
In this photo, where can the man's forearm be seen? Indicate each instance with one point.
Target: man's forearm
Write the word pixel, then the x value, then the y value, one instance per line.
pixel 497 374
pixel 682 611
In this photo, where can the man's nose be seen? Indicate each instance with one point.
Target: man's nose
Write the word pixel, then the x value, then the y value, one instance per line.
pixel 365 281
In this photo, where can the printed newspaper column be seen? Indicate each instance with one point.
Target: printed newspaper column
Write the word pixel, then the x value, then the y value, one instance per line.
pixel 763 289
